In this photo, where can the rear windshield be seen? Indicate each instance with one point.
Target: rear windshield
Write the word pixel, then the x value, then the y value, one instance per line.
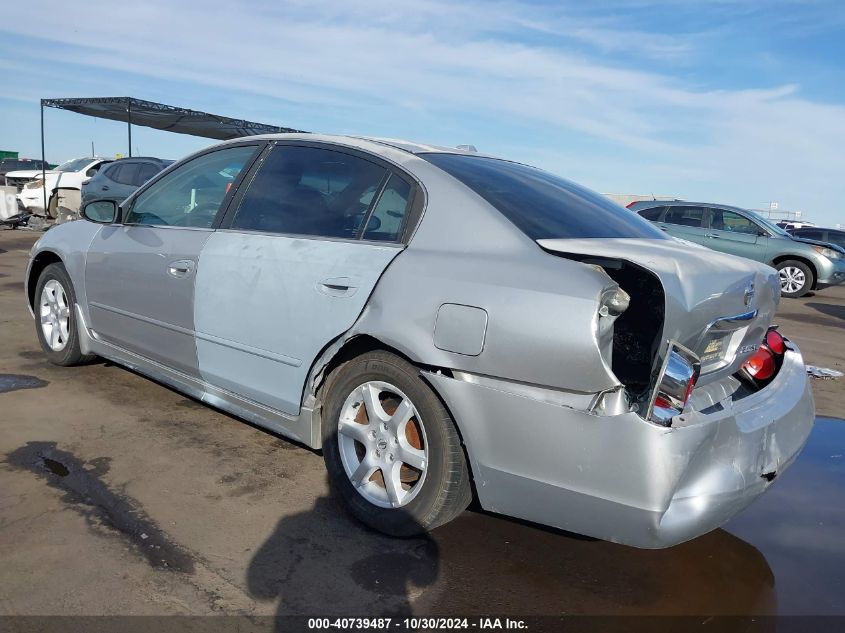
pixel 542 205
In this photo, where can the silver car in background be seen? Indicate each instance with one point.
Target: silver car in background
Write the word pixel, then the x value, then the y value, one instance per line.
pixel 802 264
pixel 441 324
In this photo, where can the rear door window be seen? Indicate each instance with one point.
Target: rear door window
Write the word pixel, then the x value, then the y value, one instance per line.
pixel 652 214
pixel 111 171
pixel 124 173
pixel 685 216
pixel 313 191
pixel 388 217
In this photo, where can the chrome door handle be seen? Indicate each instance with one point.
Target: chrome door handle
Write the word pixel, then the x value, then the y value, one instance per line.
pixel 714 235
pixel 337 287
pixel 105 187
pixel 181 268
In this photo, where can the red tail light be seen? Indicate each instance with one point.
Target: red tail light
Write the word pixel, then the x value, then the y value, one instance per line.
pixel 775 342
pixel 761 366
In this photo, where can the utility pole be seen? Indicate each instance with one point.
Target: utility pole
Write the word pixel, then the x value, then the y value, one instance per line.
pixel 43 163
pixel 129 122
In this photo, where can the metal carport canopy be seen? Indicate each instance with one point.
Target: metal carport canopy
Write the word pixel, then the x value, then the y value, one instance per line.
pixel 158 116
pixel 163 117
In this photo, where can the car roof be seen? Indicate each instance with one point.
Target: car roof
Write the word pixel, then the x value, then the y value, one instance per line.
pixel 372 143
pixel 126 158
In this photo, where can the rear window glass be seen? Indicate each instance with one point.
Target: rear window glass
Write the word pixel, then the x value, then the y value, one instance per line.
pixel 685 216
pixel 542 205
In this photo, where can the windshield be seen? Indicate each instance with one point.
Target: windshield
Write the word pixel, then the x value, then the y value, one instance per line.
pixel 770 226
pixel 542 205
pixel 74 165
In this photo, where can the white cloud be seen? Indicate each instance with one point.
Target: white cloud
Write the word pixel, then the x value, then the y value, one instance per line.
pixel 521 65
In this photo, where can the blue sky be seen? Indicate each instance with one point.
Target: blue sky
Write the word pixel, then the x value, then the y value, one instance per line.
pixel 735 101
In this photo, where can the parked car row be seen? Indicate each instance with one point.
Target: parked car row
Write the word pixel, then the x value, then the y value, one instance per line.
pixel 19 164
pixel 831 236
pixel 444 324
pixel 78 179
pixel 804 260
pixel 789 225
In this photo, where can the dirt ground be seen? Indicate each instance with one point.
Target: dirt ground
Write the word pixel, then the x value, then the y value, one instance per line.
pixel 120 496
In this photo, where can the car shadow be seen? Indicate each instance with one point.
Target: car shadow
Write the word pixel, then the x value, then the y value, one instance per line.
pixel 830 309
pixel 324 562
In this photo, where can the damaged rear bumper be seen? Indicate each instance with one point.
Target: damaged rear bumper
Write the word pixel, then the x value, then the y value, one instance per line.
pixel 619 477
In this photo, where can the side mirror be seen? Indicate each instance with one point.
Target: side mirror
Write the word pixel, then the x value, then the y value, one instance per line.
pixel 100 211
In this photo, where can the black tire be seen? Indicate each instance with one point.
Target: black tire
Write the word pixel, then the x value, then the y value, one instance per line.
pixel 52 210
pixel 445 491
pixel 809 278
pixel 70 354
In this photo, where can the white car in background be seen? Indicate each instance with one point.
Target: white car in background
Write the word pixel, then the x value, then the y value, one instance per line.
pixel 64 180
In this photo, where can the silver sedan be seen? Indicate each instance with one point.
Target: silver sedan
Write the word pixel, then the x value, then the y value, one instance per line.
pixel 442 325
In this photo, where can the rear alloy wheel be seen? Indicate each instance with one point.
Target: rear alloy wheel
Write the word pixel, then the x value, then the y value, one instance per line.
pixel 796 278
pixel 391 448
pixel 382 444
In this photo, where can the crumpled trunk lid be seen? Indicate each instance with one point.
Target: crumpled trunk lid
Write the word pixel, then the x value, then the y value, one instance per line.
pixel 717 305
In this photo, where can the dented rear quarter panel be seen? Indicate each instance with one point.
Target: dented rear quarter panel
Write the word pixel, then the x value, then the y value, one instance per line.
pixel 700 286
pixel 541 309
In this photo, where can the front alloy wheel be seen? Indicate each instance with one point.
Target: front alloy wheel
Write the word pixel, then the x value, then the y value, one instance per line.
pixel 792 279
pixel 54 314
pixel 796 278
pixel 55 321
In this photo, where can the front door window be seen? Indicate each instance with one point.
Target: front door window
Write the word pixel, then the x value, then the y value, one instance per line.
pixel 191 195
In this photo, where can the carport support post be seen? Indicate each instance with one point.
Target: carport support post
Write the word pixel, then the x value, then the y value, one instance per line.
pixel 129 123
pixel 43 163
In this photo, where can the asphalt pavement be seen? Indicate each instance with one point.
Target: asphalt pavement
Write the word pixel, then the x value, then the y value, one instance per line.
pixel 121 496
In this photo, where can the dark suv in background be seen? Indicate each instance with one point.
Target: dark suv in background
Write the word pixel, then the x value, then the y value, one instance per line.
pixel 832 236
pixel 118 180
pixel 803 264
